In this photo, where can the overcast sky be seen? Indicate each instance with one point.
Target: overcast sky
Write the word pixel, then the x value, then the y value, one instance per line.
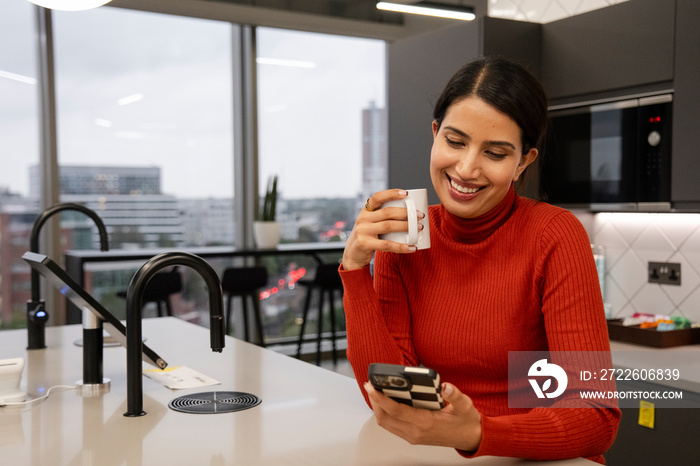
pixel 145 89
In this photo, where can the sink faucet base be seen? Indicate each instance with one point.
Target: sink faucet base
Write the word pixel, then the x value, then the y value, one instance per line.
pixel 89 390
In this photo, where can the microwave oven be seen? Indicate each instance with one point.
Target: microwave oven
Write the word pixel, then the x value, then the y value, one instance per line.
pixel 614 153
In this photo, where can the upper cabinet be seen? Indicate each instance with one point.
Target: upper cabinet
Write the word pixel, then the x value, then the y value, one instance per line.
pixel 616 48
pixel 686 107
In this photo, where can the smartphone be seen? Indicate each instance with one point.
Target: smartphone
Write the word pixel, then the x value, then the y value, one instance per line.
pixel 414 386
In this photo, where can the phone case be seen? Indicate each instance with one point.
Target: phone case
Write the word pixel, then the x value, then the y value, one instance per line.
pixel 414 386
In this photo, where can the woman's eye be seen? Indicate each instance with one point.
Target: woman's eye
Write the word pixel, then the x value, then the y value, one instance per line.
pixel 496 155
pixel 454 143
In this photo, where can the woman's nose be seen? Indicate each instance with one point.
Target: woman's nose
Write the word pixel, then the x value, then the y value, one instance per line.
pixel 468 166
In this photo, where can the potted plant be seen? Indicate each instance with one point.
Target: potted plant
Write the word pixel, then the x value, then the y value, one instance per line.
pixel 266 230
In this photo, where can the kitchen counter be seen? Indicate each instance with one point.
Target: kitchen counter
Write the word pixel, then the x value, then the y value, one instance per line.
pixel 684 358
pixel 308 415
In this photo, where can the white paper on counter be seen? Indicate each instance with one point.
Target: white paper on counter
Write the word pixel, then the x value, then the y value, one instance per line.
pixel 180 377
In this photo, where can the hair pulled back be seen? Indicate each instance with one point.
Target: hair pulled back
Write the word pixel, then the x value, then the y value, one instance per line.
pixel 504 85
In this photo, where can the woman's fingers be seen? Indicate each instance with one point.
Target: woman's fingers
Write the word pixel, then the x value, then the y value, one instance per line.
pixel 376 200
pixel 373 222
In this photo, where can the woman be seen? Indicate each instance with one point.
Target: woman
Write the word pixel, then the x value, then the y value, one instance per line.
pixel 504 273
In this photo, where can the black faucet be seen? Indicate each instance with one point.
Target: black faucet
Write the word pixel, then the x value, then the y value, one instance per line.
pixel 36 308
pixel 134 298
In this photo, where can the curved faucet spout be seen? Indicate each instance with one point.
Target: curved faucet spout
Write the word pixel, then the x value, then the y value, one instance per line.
pixel 36 311
pixel 44 216
pixel 134 301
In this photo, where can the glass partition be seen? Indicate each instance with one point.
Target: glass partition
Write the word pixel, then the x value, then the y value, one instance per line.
pixel 145 136
pixel 19 149
pixel 322 131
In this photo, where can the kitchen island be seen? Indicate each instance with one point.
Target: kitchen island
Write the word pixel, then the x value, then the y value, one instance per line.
pixel 308 415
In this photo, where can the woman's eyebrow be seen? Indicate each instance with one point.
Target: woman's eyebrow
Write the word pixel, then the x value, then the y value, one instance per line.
pixel 458 131
pixel 501 143
pixel 490 143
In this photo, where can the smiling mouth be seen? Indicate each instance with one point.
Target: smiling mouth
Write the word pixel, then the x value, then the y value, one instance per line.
pixel 464 189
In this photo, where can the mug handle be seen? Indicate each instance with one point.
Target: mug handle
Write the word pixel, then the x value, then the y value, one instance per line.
pixel 412 237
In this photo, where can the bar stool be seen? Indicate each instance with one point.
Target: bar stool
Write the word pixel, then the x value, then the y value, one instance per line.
pixel 159 289
pixel 246 283
pixel 327 281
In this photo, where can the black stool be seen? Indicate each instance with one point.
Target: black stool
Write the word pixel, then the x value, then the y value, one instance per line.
pixel 159 289
pixel 327 281
pixel 245 282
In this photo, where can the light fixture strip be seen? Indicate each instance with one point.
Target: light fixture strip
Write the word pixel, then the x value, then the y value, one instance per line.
pixel 426 9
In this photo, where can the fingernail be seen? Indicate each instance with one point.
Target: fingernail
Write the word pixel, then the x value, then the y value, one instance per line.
pixel 446 389
pixel 420 227
pixel 421 214
pixel 412 249
pixel 403 192
pixel 368 386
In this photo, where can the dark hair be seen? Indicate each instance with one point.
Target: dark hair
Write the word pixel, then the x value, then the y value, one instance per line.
pixel 506 86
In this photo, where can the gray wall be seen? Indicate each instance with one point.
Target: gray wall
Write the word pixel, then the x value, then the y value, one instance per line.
pixel 418 69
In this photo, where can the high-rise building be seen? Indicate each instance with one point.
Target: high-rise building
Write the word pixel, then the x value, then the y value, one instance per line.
pixel 127 199
pixel 374 150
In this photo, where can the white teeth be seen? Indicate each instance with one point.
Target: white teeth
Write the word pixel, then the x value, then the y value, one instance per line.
pixel 462 189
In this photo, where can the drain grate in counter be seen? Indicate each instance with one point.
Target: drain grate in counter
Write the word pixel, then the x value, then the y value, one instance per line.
pixel 214 402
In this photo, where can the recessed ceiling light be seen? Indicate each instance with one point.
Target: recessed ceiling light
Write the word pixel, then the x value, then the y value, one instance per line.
pixel 430 9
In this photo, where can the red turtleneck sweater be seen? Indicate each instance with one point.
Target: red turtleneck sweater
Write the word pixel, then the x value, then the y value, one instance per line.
pixel 519 278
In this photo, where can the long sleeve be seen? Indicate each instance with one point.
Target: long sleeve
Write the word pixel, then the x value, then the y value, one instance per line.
pixel 370 337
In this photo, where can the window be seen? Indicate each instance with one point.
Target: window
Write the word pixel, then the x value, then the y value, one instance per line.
pixel 19 149
pixel 144 105
pixel 322 127
pixel 145 137
pixel 322 130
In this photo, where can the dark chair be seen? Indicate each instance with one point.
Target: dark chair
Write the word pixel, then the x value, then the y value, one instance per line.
pixel 245 282
pixel 159 289
pixel 327 282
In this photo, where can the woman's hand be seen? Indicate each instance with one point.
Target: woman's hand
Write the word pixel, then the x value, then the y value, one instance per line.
pixel 364 238
pixel 457 425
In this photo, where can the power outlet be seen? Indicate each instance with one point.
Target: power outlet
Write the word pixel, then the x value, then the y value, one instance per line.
pixel 665 273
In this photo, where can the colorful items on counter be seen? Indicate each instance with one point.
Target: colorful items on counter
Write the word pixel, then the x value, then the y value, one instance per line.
pixel 656 321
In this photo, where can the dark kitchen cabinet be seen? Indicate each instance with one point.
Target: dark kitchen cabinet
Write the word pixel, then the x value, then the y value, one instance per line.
pixel 615 48
pixel 673 439
pixel 685 191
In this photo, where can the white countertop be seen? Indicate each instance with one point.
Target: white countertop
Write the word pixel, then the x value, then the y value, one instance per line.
pixel 308 415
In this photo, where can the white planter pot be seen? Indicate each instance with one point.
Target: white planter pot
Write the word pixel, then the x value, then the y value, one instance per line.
pixel 266 234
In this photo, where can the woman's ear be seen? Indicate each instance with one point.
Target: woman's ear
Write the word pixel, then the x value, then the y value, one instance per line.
pixel 435 129
pixel 525 160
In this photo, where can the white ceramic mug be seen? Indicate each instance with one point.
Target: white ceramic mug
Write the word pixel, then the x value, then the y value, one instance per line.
pixel 417 200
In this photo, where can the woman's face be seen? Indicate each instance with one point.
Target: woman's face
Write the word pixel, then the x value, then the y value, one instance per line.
pixel 476 155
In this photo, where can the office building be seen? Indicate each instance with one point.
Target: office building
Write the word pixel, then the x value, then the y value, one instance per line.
pixel 374 150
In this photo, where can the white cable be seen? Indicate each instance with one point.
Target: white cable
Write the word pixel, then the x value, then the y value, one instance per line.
pixel 28 402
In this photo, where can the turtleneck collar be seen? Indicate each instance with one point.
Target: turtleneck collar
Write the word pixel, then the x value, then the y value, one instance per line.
pixel 475 230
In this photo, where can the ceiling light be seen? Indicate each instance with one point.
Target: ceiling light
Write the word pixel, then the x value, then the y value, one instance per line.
pixel 17 77
pixel 130 99
pixel 464 13
pixel 70 5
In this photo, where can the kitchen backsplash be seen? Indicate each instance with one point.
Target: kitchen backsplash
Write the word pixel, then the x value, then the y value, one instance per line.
pixel 632 240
